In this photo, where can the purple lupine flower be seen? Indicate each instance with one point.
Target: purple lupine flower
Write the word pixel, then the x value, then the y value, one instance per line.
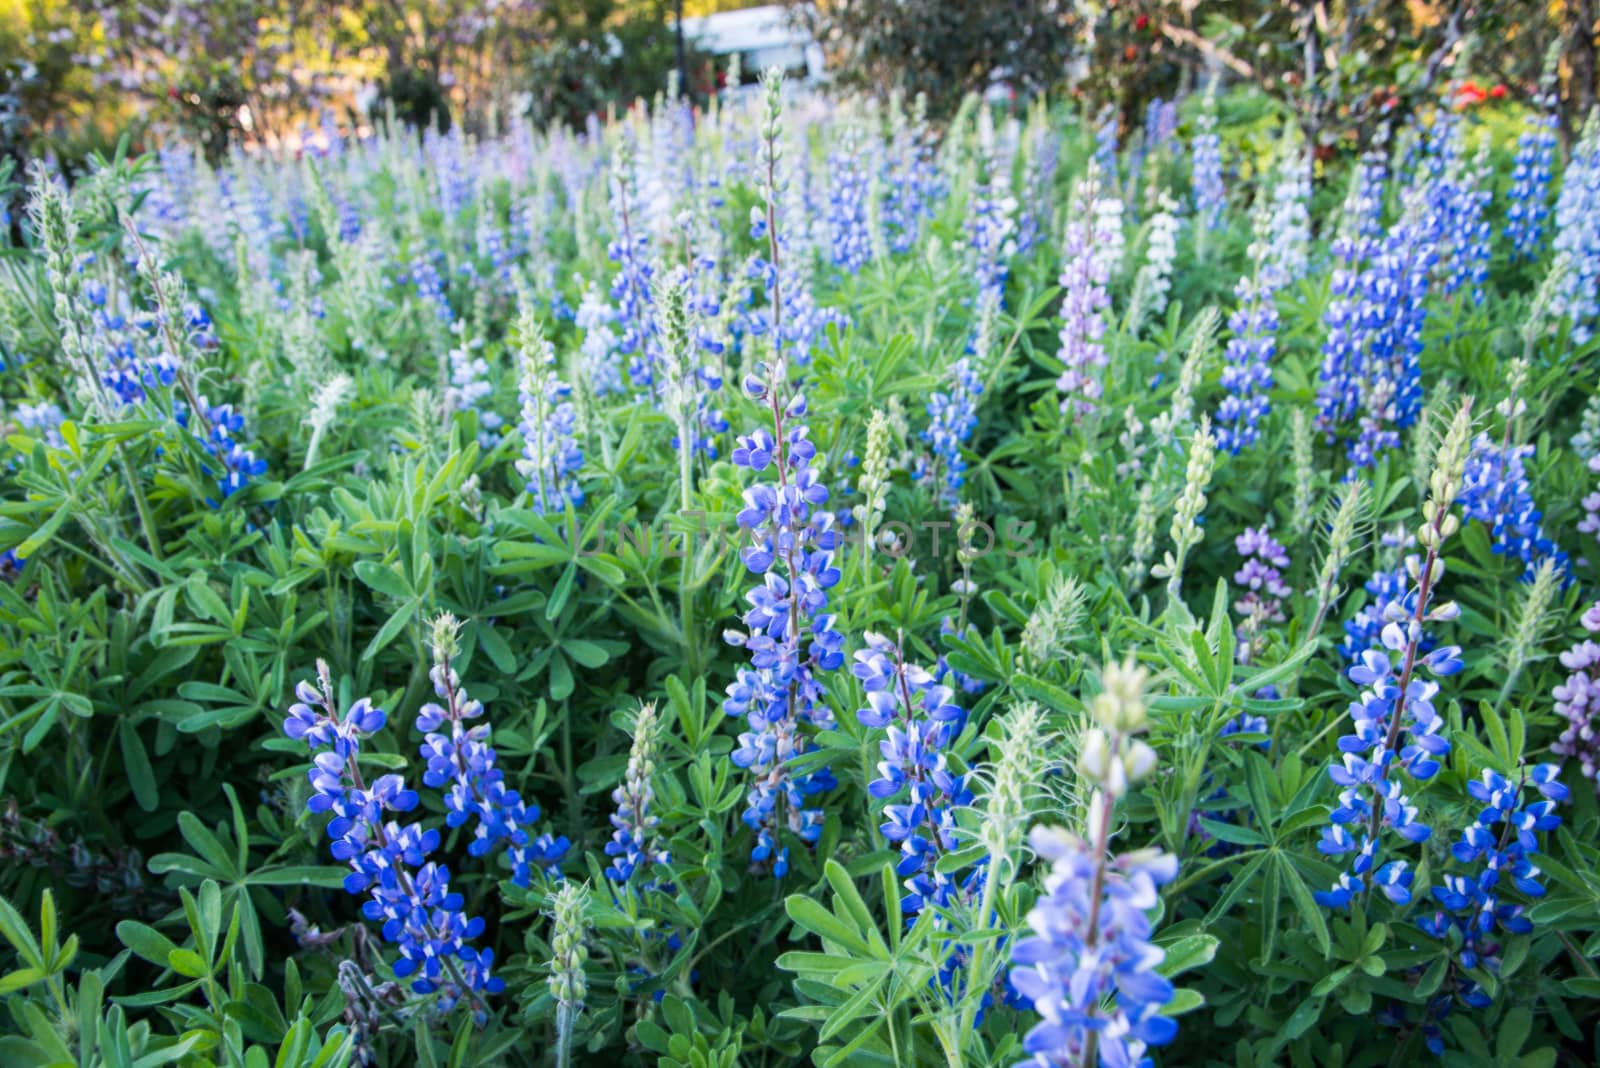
pixel 600 365
pixel 1578 700
pixel 461 761
pixel 406 892
pixel 1528 199
pixel 1261 578
pixel 1085 301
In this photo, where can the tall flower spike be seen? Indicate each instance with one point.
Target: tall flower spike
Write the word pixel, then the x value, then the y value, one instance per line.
pixel 920 719
pixel 568 984
pixel 789 633
pixel 461 761
pixel 1089 968
pixel 551 458
pixel 1372 796
pixel 1085 301
pixel 406 892
pixel 633 842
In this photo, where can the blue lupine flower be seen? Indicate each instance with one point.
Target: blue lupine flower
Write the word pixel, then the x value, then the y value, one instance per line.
pixel 789 633
pixel 551 458
pixel 910 181
pixel 633 841
pixel 1371 798
pixel 220 438
pixel 1501 843
pixel 1261 579
pixel 952 416
pixel 470 386
pixel 406 892
pixel 600 365
pixel 1528 199
pixel 430 287
pixel 1036 219
pixel 1393 312
pixel 1105 147
pixel 1577 236
pixel 1205 174
pixel 1347 318
pixel 44 420
pixel 1247 375
pixel 1392 597
pixel 848 234
pixel 630 287
pixel 913 773
pixel 1456 204
pixel 1089 968
pixel 461 761
pixel 1495 492
pixel 990 227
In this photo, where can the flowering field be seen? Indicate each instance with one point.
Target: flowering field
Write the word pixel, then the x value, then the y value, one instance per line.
pixel 786 583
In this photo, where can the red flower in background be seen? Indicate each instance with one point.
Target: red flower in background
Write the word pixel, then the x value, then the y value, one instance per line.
pixel 1469 95
pixel 1498 92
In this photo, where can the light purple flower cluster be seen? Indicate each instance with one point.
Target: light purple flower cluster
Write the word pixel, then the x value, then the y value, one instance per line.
pixel 1262 581
pixel 429 286
pixel 920 719
pixel 1578 700
pixel 406 892
pixel 911 183
pixel 789 633
pixel 990 226
pixel 1085 300
pixel 461 761
pixel 1089 968
pixel 1036 218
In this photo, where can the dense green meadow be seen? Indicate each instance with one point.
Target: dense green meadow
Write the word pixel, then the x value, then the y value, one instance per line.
pixel 791 582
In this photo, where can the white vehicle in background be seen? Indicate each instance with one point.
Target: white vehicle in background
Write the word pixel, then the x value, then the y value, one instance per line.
pixel 762 37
